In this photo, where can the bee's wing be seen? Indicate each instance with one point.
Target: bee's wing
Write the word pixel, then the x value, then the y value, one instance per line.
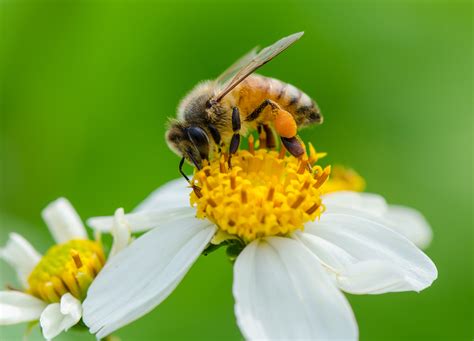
pixel 228 74
pixel 260 59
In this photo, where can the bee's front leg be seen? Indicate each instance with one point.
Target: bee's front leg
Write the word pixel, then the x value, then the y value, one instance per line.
pixel 235 141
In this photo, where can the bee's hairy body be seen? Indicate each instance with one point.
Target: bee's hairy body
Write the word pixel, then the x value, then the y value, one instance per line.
pixel 247 96
pixel 215 113
pixel 255 89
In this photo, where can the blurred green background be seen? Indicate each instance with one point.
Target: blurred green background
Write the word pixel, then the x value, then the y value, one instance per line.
pixel 86 87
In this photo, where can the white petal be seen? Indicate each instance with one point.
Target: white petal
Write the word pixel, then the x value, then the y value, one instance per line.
pixel 120 232
pixel 339 202
pixel 375 277
pixel 281 292
pixel 63 221
pixel 143 220
pixel 342 242
pixel 71 306
pixel 173 194
pixel 21 256
pixel 404 220
pixel 410 223
pixel 17 307
pixel 142 275
pixel 59 317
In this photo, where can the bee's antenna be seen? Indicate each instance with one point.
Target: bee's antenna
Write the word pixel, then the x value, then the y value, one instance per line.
pixel 181 163
pixel 191 157
pixel 195 188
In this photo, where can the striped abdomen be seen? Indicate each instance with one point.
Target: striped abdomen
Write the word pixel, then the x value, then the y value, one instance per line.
pixel 255 89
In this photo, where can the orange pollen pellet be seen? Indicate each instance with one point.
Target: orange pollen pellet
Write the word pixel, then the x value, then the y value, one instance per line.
pixel 285 124
pixel 207 171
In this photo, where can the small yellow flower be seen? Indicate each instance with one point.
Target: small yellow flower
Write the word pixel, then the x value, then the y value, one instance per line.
pixel 55 284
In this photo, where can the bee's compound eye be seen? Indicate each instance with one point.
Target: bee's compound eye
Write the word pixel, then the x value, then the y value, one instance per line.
pixel 200 140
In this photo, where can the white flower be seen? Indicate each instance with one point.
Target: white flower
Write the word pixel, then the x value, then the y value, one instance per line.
pixel 54 302
pixel 404 220
pixel 284 287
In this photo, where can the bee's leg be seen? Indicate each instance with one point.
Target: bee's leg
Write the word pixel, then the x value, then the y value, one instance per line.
pixel 235 141
pixel 262 138
pixel 216 136
pixel 269 137
pixel 285 126
pixel 256 113
pixel 196 189
pixel 293 145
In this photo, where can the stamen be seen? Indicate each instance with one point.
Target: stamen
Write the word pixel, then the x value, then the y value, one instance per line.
pixel 270 192
pixel 298 201
pixel 312 209
pixel 212 202
pixel 322 179
pixel 305 186
pixel 77 258
pixel 68 267
pixel 302 166
pixel 251 141
pixel 262 138
pixel 243 195
pixel 222 165
pixel 197 191
pixel 282 153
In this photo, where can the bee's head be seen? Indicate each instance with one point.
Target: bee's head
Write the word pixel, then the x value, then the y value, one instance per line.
pixel 188 141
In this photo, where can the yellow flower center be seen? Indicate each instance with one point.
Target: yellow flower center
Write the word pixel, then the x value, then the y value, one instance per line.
pixel 68 267
pixel 264 193
pixel 344 179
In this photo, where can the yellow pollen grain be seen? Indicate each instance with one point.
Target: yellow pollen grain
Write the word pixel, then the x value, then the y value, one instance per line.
pixel 265 193
pixel 69 267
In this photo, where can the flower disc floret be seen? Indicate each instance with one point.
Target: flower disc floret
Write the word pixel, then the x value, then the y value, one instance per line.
pixel 69 267
pixel 264 193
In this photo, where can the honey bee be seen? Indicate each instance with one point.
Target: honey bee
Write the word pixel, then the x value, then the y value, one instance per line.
pixel 212 117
